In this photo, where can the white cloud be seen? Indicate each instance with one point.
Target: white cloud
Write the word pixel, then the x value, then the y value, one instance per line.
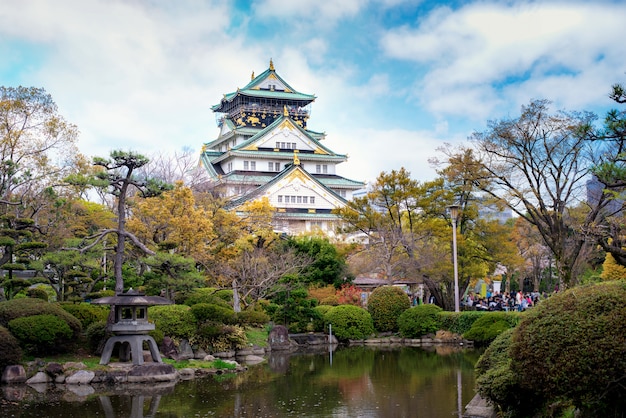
pixel 536 49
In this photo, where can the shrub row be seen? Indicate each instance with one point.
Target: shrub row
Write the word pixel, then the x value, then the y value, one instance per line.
pixel 567 351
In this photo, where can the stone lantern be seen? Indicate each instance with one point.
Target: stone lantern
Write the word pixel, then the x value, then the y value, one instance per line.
pixel 131 326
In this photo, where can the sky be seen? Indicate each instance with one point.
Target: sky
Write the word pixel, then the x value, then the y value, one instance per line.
pixel 395 80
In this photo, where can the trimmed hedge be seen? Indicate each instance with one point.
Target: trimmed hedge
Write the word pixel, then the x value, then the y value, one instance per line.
pixel 385 304
pixel 419 320
pixel 10 351
pixel 497 382
pixel 18 308
pixel 41 334
pixel 572 346
pixel 254 317
pixel 210 295
pixel 86 313
pixel 212 312
pixel 175 321
pixel 349 322
pixel 491 324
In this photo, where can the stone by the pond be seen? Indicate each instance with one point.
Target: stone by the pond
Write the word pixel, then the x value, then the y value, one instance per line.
pixel 185 352
pixel 74 365
pixel 208 357
pixel 187 373
pixel 279 338
pixel 252 359
pixel 39 377
pixel 152 372
pixel 199 354
pixel 81 377
pixel 14 374
pixel 168 348
pixel 225 354
pixel 54 369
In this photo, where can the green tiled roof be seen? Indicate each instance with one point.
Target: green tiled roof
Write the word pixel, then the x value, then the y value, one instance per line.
pixel 252 90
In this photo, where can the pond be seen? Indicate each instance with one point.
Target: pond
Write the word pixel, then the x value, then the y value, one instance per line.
pixel 349 382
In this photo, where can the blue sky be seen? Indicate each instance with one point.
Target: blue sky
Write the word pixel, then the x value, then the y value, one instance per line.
pixel 394 79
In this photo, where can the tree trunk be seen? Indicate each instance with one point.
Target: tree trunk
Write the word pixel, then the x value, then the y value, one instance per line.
pixel 236 301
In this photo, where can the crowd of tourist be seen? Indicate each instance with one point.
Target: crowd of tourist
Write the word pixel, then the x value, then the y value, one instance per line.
pixel 518 301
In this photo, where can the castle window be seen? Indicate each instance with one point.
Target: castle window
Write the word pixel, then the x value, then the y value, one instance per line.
pixel 270 166
pixel 280 198
pixel 305 199
pixel 246 165
pixel 312 199
pixel 318 168
pixel 293 199
pixel 299 199
pixel 252 165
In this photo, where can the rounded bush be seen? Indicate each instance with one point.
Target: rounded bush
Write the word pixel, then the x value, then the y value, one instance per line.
pixel 496 381
pixel 96 332
pixel 491 324
pixel 460 322
pixel 252 317
pixel 385 304
pixel 175 321
pixel 572 345
pixel 86 313
pixel 419 321
pixel 350 322
pixel 17 308
pixel 10 351
pixel 210 295
pixel 217 313
pixel 41 334
pixel 38 293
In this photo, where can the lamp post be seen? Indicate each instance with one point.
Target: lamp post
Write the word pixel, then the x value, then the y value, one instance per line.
pixel 454 212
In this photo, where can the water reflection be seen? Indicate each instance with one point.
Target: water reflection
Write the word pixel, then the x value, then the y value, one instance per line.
pixel 360 382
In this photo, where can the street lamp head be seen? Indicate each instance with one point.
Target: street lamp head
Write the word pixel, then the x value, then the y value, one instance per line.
pixel 454 211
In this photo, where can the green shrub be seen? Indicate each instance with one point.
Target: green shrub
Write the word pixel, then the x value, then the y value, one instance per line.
pixel 322 309
pixel 100 294
pixel 491 324
pixel 419 321
pixel 350 322
pixel 17 308
pixel 571 346
pixel 86 313
pixel 254 317
pixel 96 332
pixel 41 334
pixel 10 351
pixel 385 304
pixel 215 337
pixel 459 322
pixel 496 381
pixel 37 293
pixel 210 295
pixel 211 312
pixel 175 321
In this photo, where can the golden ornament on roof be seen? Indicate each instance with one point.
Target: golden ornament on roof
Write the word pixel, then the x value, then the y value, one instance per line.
pixel 271 65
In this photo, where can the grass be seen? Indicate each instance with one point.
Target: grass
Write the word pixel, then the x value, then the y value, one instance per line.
pixel 257 336
pixel 200 364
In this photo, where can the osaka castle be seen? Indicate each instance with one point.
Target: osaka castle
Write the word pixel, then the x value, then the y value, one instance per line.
pixel 265 149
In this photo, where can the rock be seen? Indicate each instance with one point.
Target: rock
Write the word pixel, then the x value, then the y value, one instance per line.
pixel 208 357
pixel 225 354
pixel 152 372
pixel 199 354
pixel 39 377
pixel 59 379
pixel 279 338
pixel 168 348
pixel 81 377
pixel 184 351
pixel 74 365
pixel 14 374
pixel 252 359
pixel 187 374
pixel 54 369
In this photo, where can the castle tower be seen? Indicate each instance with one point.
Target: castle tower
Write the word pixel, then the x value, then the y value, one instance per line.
pixel 265 149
